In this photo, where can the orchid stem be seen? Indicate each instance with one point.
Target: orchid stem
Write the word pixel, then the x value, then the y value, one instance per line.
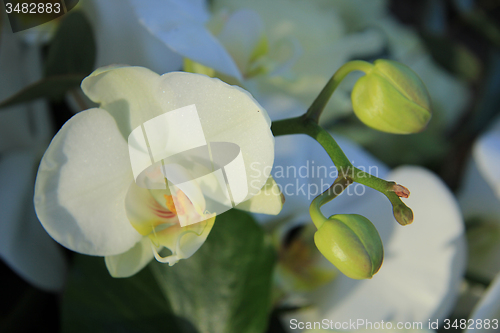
pixel 317 107
pixel 307 125
pixel 338 186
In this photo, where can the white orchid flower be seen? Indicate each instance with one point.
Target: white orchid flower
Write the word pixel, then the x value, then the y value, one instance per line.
pixel 485 316
pixel 424 261
pixel 87 194
pixel 285 51
pixel 479 199
pixel 25 132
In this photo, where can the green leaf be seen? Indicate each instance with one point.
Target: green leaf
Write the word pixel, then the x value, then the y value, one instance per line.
pixel 73 48
pixel 225 287
pixel 52 87
pixel 95 302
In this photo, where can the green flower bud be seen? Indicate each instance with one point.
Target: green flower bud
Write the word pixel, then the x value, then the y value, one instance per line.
pixel 403 214
pixel 392 98
pixel 352 243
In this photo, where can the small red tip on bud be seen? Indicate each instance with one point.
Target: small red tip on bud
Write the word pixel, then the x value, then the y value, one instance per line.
pixel 400 191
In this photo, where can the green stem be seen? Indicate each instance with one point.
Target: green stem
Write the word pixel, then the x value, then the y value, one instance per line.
pixel 314 112
pixel 338 186
pixel 302 125
pixel 306 125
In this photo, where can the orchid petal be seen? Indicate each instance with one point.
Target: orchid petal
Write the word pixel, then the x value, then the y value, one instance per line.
pixel 241 35
pixel 122 39
pixel 128 263
pixel 269 200
pixel 185 33
pixel 127 93
pixel 24 245
pixel 147 210
pixel 81 186
pixel 479 197
pixel 486 153
pixel 476 197
pixel 183 242
pixel 227 114
pixel 487 308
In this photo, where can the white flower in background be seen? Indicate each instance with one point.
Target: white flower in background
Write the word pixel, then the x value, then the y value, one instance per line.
pixel 86 196
pixel 479 199
pixel 423 263
pixel 312 40
pixel 284 51
pixel 281 56
pixel 486 314
pixel 121 39
pixel 25 132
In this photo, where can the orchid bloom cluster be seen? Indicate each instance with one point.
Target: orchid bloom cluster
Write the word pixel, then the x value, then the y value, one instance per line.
pixel 136 208
pixel 83 166
pixel 144 176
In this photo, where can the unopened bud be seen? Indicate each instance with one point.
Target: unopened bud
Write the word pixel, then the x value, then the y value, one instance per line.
pixel 392 98
pixel 352 243
pixel 403 214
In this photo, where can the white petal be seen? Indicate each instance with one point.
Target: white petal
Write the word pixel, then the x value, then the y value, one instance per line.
pixel 24 245
pixel 486 152
pixel 487 308
pixel 174 24
pixel 81 186
pixel 269 200
pixel 122 39
pixel 130 262
pixel 241 35
pixel 183 242
pixel 476 196
pixel 317 28
pixel 423 261
pixel 127 93
pixel 227 114
pixel 146 209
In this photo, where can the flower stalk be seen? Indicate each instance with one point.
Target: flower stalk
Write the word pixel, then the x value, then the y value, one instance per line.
pixel 306 125
pixel 317 107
